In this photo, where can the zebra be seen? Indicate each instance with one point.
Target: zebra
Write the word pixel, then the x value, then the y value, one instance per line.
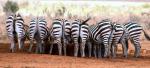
pixel 100 35
pixel 80 35
pixel 133 32
pixel 66 37
pixel 15 30
pixel 60 33
pixel 118 32
pixel 38 31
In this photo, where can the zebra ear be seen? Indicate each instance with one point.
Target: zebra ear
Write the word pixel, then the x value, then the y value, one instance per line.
pixel 86 20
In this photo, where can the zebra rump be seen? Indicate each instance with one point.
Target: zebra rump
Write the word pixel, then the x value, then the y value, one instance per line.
pixel 38 31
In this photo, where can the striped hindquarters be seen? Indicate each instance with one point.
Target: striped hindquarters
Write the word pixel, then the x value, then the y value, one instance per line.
pixel 102 29
pixel 118 32
pixel 67 26
pixel 75 30
pixel 32 28
pixel 42 28
pixel 19 27
pixel 133 29
pixel 10 27
pixel 84 32
pixel 56 29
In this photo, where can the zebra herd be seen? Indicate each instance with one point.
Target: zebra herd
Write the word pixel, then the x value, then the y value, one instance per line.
pixel 101 38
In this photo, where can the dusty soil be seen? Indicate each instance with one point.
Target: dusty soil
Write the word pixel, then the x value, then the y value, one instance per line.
pixel 27 60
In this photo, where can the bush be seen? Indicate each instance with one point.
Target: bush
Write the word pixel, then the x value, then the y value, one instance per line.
pixel 10 7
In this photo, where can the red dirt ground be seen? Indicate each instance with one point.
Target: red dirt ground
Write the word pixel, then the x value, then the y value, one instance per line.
pixel 26 60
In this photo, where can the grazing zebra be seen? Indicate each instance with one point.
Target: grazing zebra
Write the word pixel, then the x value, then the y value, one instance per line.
pixel 60 33
pixel 118 31
pixel 101 33
pixel 80 35
pixel 95 44
pixel 66 37
pixel 38 31
pixel 56 34
pixel 15 30
pixel 133 32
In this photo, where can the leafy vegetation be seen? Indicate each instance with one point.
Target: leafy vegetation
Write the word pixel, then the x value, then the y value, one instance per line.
pixel 10 7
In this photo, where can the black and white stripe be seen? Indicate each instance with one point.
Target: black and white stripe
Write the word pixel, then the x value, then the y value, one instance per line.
pixel 80 35
pixel 133 32
pixel 38 31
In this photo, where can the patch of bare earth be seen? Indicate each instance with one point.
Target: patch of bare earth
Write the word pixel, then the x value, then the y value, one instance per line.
pixel 27 60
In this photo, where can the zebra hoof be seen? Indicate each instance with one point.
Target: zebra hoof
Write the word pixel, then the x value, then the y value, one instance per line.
pixel 83 56
pixel 136 56
pixel 11 51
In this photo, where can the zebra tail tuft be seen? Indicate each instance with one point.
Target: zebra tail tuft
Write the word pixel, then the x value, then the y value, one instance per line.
pixel 146 35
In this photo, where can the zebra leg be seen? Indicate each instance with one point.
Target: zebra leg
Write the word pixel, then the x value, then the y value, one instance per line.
pixel 37 47
pixel 76 48
pixel 82 49
pixel 31 45
pixel 41 47
pixel 114 50
pixel 60 48
pixel 137 47
pixel 51 48
pixel 95 53
pixel 89 48
pixel 21 43
pixel 64 46
pixel 99 51
pixel 12 47
pixel 111 50
pixel 125 51
pixel 106 46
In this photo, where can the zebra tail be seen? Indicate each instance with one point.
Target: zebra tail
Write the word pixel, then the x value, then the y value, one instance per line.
pixel 84 22
pixel 146 35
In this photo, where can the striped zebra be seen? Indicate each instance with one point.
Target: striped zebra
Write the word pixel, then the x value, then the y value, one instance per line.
pixel 118 36
pixel 133 32
pixel 80 35
pixel 60 34
pixel 66 37
pixel 15 30
pixel 38 31
pixel 101 33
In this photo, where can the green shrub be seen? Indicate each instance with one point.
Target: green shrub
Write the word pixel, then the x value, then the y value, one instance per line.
pixel 10 7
